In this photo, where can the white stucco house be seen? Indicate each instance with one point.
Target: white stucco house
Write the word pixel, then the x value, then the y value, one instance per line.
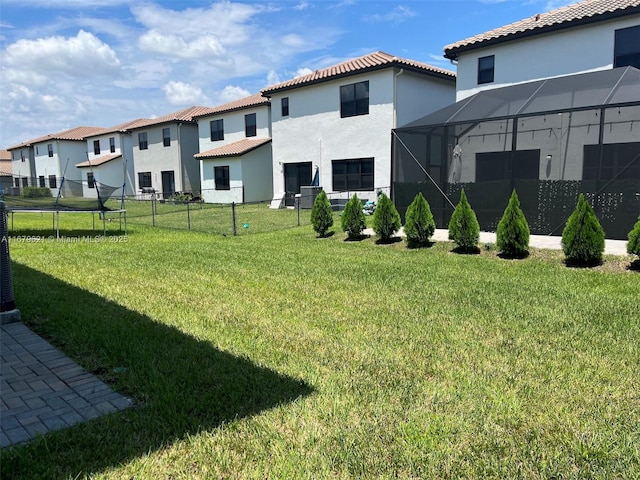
pixel 235 151
pixel 109 162
pixel 549 106
pixel 335 123
pixel 583 37
pixel 163 150
pixel 44 161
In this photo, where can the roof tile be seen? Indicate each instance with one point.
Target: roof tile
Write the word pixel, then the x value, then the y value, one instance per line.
pixel 246 102
pixel 588 9
pixel 99 161
pixel 354 66
pixel 234 149
pixel 185 115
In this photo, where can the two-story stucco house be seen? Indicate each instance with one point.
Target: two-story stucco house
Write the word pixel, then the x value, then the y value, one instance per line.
pixel 336 122
pixel 46 160
pixel 550 106
pixel 109 162
pixel 163 150
pixel 235 151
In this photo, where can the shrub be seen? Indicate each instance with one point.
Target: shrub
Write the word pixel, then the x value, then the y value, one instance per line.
pixel 464 228
pixel 353 222
pixel 36 192
pixel 321 214
pixel 633 246
pixel 512 235
pixel 583 236
pixel 386 219
pixel 419 224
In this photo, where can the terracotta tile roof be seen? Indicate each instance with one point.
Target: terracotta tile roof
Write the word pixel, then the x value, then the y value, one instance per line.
pixel 234 149
pixel 571 15
pixel 99 161
pixel 242 103
pixel 5 155
pixel 185 115
pixel 122 127
pixel 5 166
pixel 77 134
pixel 372 61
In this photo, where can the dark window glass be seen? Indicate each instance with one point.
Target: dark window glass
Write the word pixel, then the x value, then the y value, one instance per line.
pixel 494 166
pixel 142 141
pixel 144 179
pixel 53 182
pixel 485 69
pixel 166 137
pixel 96 147
pixel 50 149
pixel 112 144
pixel 619 160
pixel 354 99
pixel 90 181
pixel 217 130
pixel 353 174
pixel 627 47
pixel 41 183
pixel 16 182
pixel 221 175
pixel 285 106
pixel 250 125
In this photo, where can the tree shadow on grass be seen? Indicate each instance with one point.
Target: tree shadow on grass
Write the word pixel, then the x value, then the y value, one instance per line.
pixel 572 263
pixel 418 245
pixel 181 385
pixel 634 266
pixel 357 238
pixel 388 241
pixel 329 234
pixel 507 256
pixel 467 250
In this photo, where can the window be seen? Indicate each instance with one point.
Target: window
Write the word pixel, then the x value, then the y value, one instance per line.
pixel 285 106
pixel 22 156
pixel 350 175
pixel 50 149
pixel 485 69
pixel 144 179
pixel 16 182
pixel 41 181
pixel 166 137
pixel 112 144
pixel 217 130
pixel 627 47
pixel 620 160
pixel 354 99
pixel 91 183
pixel 221 175
pixel 495 166
pixel 96 147
pixel 25 182
pixel 142 141
pixel 250 125
pixel 53 182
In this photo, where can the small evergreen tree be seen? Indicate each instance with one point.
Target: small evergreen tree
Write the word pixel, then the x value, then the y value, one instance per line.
pixel 512 235
pixel 633 246
pixel 464 228
pixel 353 222
pixel 386 219
pixel 583 236
pixel 419 224
pixel 321 214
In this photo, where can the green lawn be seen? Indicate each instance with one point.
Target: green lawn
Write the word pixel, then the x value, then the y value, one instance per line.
pixel 280 355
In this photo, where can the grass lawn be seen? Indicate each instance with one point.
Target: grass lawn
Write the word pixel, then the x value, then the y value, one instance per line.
pixel 280 355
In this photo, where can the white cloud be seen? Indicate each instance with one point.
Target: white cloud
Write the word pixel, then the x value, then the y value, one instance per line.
pixel 231 93
pixel 73 56
pixel 180 93
pixel 272 77
pixel 399 14
pixel 302 72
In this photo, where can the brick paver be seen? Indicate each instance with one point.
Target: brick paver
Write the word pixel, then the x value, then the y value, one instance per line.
pixel 44 390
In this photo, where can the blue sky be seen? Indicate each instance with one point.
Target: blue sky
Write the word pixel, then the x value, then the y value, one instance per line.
pixel 67 63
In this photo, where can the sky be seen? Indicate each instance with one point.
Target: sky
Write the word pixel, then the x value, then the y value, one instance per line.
pixel 70 63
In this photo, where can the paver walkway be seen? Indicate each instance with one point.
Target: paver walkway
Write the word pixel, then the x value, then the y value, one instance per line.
pixel 41 389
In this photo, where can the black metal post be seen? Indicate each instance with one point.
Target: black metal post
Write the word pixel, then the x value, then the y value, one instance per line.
pixel 233 215
pixel 188 217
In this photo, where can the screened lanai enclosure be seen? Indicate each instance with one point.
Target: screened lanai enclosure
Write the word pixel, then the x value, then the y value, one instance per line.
pixel 550 140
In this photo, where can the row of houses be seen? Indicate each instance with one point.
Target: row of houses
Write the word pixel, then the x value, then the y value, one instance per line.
pixel 376 122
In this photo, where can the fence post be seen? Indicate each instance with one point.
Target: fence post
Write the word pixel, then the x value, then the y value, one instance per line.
pixel 188 217
pixel 233 214
pixel 298 202
pixel 153 211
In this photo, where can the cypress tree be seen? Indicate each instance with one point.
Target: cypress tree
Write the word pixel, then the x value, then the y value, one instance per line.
pixel 464 228
pixel 353 222
pixel 512 234
pixel 583 236
pixel 633 246
pixel 386 219
pixel 419 224
pixel 321 214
